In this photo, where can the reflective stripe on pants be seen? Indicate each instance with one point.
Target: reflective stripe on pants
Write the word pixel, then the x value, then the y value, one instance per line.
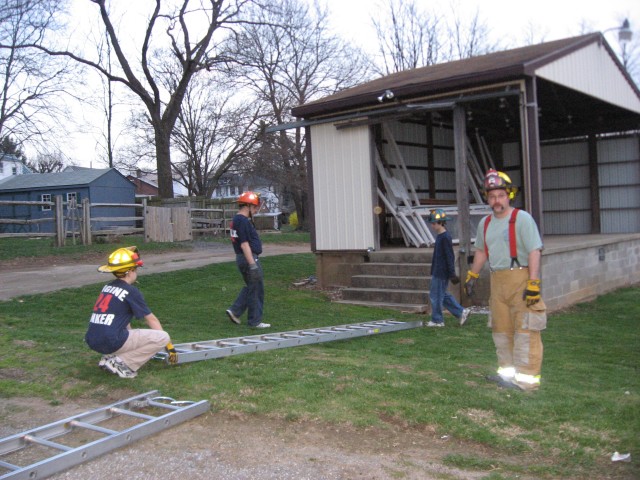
pixel 515 346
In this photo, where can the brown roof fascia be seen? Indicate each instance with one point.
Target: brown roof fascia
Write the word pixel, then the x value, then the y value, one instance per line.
pixel 478 71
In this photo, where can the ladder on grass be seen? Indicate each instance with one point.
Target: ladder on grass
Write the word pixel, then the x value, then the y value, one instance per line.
pixel 96 432
pixel 207 350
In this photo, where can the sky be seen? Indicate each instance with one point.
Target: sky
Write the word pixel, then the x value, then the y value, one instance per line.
pixel 509 22
pixel 507 19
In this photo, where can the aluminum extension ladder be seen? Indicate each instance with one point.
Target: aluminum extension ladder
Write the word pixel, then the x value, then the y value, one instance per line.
pixel 134 414
pixel 196 351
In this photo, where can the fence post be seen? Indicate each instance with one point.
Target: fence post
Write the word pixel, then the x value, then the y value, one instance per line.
pixel 60 230
pixel 86 222
pixel 144 220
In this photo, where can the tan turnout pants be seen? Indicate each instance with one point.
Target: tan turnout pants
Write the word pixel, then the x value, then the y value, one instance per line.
pixel 141 345
pixel 516 327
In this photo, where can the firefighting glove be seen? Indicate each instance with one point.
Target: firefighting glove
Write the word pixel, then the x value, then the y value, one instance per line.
pixel 173 355
pixel 470 282
pixel 532 292
pixel 455 279
pixel 254 273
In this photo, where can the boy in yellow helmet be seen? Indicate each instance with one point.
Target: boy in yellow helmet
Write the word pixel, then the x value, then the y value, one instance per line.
pixel 124 349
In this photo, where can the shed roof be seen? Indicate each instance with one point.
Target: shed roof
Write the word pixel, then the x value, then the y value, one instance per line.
pixel 577 78
pixel 35 181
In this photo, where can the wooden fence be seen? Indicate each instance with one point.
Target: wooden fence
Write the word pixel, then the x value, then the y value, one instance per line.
pixel 159 224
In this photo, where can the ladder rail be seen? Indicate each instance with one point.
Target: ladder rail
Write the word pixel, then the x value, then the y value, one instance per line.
pixel 271 341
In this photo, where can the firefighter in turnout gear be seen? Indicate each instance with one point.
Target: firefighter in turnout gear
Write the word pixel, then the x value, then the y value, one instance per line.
pixel 124 349
pixel 510 241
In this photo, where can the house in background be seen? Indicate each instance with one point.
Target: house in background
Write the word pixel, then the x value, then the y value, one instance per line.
pixel 231 185
pixel 75 183
pixel 10 165
pixel 146 184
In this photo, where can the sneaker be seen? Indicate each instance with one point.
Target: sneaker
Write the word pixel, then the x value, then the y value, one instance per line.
pixel 233 317
pixel 464 316
pixel 116 366
pixel 435 324
pixel 262 325
pixel 104 360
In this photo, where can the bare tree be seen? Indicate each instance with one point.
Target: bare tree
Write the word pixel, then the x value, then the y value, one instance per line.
pixel 287 57
pixel 213 134
pixel 47 163
pixel 407 37
pixel 470 37
pixel 186 34
pixel 30 83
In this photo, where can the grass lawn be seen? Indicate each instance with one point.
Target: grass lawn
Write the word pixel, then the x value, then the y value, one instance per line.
pixel 588 406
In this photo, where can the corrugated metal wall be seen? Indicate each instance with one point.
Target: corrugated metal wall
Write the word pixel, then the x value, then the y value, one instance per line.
pixel 566 192
pixel 343 187
pixel 412 142
pixel 619 173
pixel 566 197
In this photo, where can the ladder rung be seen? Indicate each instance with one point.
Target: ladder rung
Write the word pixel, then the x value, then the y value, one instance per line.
pixel 90 426
pixel 130 413
pixel 46 443
pixel 200 346
pixel 9 466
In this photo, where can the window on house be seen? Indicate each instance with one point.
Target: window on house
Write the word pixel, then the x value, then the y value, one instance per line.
pixel 45 197
pixel 72 197
pixel 14 170
pixel 1 167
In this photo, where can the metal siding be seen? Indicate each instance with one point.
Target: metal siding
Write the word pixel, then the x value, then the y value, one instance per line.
pixel 565 155
pixel 619 172
pixel 564 223
pixel 414 155
pixel 342 188
pixel 566 196
pixel 591 70
pixel 511 154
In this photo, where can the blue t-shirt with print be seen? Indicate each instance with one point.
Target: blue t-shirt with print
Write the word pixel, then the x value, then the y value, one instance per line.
pixel 242 230
pixel 117 304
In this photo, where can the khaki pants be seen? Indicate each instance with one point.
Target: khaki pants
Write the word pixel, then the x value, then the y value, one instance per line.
pixel 516 327
pixel 141 345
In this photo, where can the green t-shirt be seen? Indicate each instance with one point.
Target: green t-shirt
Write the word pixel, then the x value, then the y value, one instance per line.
pixel 527 240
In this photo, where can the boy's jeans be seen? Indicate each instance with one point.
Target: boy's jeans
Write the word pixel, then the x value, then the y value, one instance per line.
pixel 441 298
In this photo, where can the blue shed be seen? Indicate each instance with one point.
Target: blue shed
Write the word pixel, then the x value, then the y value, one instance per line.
pixel 98 185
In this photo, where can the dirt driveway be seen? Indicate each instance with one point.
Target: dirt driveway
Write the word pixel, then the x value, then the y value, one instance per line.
pixel 42 275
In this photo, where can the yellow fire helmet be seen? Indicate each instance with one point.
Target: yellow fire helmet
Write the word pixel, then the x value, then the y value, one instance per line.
pixel 495 180
pixel 122 260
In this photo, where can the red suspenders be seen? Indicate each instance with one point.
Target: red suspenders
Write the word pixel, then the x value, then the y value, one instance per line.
pixel 513 248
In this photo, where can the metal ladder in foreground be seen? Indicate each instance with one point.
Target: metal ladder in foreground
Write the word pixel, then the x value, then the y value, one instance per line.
pixel 196 351
pixel 134 412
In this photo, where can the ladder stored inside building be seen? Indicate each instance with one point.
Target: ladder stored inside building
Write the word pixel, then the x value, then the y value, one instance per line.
pixel 196 351
pixel 33 453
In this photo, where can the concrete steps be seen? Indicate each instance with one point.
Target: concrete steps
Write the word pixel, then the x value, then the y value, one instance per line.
pixel 397 280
